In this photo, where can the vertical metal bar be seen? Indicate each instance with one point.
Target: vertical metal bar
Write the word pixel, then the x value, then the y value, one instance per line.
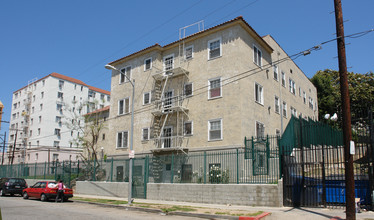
pixel 45 167
pixel 94 170
pixel 35 171
pixel 145 176
pixel 172 168
pixel 56 170
pixel 204 167
pixel 111 171
pixel 69 173
pixel 237 166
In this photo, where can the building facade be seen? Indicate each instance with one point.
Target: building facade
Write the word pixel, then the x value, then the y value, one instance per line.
pixel 42 115
pixel 208 90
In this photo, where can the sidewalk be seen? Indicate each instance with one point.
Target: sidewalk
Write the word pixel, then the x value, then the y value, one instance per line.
pixel 282 213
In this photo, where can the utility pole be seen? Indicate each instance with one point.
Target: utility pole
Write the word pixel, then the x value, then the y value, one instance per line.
pixel 347 133
pixel 2 159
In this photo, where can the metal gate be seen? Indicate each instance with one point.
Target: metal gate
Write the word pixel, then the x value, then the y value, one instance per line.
pixel 140 178
pixel 313 164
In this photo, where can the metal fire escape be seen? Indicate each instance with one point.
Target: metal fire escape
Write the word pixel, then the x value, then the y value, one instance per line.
pixel 171 111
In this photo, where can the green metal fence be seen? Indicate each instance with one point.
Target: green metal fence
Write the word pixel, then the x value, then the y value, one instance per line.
pixel 258 162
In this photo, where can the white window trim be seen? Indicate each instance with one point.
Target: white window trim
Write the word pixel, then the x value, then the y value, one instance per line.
pixel 184 132
pixel 212 120
pixel 261 102
pixel 166 57
pixel 284 107
pixel 150 58
pixel 192 55
pixel 276 70
pixel 124 147
pixel 124 106
pixel 149 135
pixel 258 122
pixel 126 80
pixel 150 98
pixel 184 89
pixel 255 55
pixel 283 77
pixel 220 48
pixel 221 92
pixel 279 106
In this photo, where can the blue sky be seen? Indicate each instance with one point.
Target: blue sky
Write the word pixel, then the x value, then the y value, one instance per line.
pixel 78 37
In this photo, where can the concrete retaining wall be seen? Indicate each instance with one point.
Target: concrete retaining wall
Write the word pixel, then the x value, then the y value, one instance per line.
pixel 270 195
pixel 115 189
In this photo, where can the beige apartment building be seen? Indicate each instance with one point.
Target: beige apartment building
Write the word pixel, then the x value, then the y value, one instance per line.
pixel 208 90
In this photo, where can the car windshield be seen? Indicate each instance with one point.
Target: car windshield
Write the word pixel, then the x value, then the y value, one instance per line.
pixel 21 181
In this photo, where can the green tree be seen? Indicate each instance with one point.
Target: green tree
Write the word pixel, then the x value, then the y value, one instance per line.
pixel 361 91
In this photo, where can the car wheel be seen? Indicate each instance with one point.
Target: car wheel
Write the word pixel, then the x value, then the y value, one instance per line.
pixel 25 195
pixel 43 197
pixel 2 193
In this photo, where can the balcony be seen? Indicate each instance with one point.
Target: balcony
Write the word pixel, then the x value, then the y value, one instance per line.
pixel 170 105
pixel 178 71
pixel 168 143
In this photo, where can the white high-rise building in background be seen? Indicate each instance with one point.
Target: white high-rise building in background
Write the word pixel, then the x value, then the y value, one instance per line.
pixel 40 114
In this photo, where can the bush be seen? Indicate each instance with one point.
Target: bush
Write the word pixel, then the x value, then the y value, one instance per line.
pixel 216 175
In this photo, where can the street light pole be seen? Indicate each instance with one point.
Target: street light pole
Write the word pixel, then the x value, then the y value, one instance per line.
pixel 131 131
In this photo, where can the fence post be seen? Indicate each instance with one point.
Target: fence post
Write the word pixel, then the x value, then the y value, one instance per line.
pixel 56 170
pixel 69 173
pixel 237 166
pixel 204 167
pixel 145 176
pixel 35 170
pixel 172 168
pixel 63 170
pixel 253 156
pixel 94 171
pixel 45 166
pixel 111 171
pixel 78 169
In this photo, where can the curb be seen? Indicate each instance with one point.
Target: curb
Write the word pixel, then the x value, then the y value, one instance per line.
pixel 197 215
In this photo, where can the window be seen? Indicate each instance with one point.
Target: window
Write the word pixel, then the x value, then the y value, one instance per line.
pixel 122 139
pixel 125 74
pixel 102 97
pixel 103 137
pixel 14 116
pixel 123 106
pixel 215 129
pixel 169 62
pixel 145 134
pixel 30 133
pixel 283 79
pixel 146 98
pixel 40 119
pixel 58 120
pixel 60 84
pixel 277 132
pixel 259 94
pixel 304 97
pixel 57 132
pixel 284 109
pixel 43 82
pixel 276 104
pixel 292 86
pixel 148 64
pixel 32 109
pixel 39 131
pixel 257 56
pixel 310 102
pixel 260 130
pixel 60 95
pixel 91 94
pixel 300 91
pixel 293 111
pixel 31 121
pixel 215 88
pixel 188 89
pixel 214 48
pixel 33 98
pixel 275 69
pixel 14 105
pixel 108 98
pixel 42 94
pixel 187 129
pixel 188 52
pixel 15 95
pixel 59 107
pixel 41 107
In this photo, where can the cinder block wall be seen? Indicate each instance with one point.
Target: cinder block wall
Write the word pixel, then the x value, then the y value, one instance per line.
pixel 270 195
pixel 114 189
pixel 236 194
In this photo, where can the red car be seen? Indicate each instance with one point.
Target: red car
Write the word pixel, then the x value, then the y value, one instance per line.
pixel 45 190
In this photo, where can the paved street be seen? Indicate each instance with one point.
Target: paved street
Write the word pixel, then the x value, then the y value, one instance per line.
pixel 18 208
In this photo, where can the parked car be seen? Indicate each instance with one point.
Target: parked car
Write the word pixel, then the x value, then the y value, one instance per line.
pixel 12 186
pixel 46 190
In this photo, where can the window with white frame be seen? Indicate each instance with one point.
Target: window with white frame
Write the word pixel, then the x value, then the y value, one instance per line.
pixel 310 102
pixel 283 79
pixel 215 88
pixel 259 94
pixel 260 130
pixel 293 111
pixel 124 106
pixel 299 91
pixel 42 94
pixel 188 52
pixel 57 132
pixel 215 129
pixel 187 128
pixel 304 97
pixel 60 84
pixel 277 132
pixel 125 74
pixel 214 48
pixel 275 69
pixel 122 139
pixel 146 98
pixel 257 56
pixel 169 62
pixel 147 64
pixel 188 89
pixel 145 134
pixel 55 144
pixel 39 130
pixel 292 86
pixel 41 107
pixel 284 109
pixel 276 105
